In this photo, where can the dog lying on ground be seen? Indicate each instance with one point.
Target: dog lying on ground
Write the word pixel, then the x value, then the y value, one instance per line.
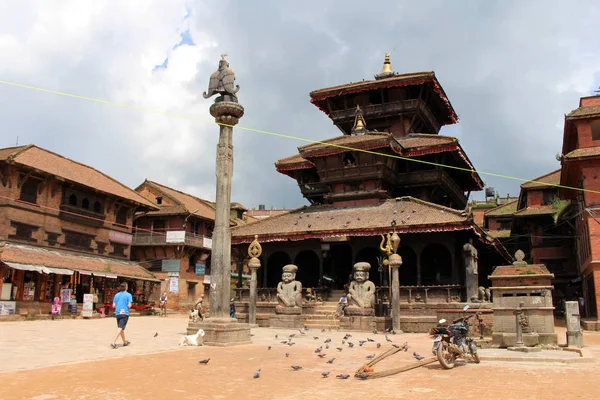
pixel 192 340
pixel 194 315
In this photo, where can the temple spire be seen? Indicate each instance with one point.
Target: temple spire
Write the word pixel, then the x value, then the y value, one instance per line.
pixel 386 69
pixel 360 125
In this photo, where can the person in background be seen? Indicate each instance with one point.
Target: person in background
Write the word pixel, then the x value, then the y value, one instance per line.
pixel 198 306
pixel 232 309
pixel 342 304
pixel 163 304
pixel 121 304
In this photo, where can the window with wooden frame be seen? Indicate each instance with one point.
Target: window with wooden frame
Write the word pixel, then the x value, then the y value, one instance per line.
pixel 29 190
pixel 122 216
pixel 78 241
pixel 23 231
pixel 118 249
pixel 595 129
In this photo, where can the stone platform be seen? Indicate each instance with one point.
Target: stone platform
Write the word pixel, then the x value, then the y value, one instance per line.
pixel 287 321
pixel 221 332
pixel 529 339
pixel 562 355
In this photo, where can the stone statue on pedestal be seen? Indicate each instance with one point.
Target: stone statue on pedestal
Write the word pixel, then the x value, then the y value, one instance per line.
pixel 289 291
pixel 361 293
pixel 470 255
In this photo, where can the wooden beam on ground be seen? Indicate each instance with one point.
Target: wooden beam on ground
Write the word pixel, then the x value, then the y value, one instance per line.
pixel 392 371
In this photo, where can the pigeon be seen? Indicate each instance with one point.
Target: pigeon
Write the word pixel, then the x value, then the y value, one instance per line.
pixel 388 329
pixel 257 374
pixel 302 333
pixel 292 335
pixel 405 346
pixel 328 340
pixel 204 361
pixel 393 332
pixel 318 350
pixel 363 375
pixel 306 328
pixel 327 346
pixel 371 356
pixel 322 355
pixel 323 330
pixel 387 338
pixel 269 347
pixel 276 336
pixel 291 343
pixel 370 340
pixel 287 354
pixel 325 374
pixel 378 345
pixel 252 334
pixel 156 334
pixel 316 337
pixel 347 336
pixel 417 356
pixel 395 345
pixel 339 348
pixel 296 367
pixel 330 361
pixel 361 342
pixel 350 344
pixel 375 331
pixel 343 376
pixel 343 341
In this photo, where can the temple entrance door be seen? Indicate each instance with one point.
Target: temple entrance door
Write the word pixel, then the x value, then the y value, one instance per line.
pixel 308 264
pixel 275 263
pixel 370 254
pixel 340 256
pixel 408 269
pixel 436 265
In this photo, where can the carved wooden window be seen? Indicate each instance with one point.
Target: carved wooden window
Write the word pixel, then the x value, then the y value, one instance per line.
pixel 97 207
pixel 23 232
pixel 159 200
pixel 52 238
pixel 73 200
pixel 596 129
pixel 29 190
pixel 118 249
pixel 158 226
pixel 85 203
pixel 78 241
pixel 122 216
pixel 101 247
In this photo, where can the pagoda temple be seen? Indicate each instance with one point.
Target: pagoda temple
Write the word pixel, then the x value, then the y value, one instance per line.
pixel 389 170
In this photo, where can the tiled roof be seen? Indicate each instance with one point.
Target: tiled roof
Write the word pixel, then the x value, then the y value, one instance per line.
pixel 525 270
pixel 583 152
pixel 62 259
pixel 416 141
pixel 548 180
pixel 400 78
pixel 503 209
pixel 412 215
pixel 338 144
pixel 187 203
pixel 584 112
pixel 51 163
pixel 531 211
pixel 499 234
pixel 293 161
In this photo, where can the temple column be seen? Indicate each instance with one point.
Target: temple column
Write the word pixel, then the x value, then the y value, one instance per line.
pixel 254 264
pixel 471 271
pixel 395 261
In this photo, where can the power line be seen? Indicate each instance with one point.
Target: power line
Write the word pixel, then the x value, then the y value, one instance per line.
pixel 167 114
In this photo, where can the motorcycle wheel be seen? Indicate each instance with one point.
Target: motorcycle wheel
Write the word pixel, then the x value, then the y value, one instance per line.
pixel 445 357
pixel 476 359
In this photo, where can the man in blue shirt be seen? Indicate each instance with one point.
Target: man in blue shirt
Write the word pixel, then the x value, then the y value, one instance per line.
pixel 121 303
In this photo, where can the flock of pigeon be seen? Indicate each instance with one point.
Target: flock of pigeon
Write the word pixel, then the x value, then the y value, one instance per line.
pixel 327 343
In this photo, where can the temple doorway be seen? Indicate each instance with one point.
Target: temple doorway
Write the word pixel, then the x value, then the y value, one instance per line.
pixel 340 262
pixel 275 263
pixel 408 269
pixel 308 264
pixel 436 265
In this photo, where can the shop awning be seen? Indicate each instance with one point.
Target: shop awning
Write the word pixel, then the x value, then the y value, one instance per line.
pixel 40 268
pixel 103 274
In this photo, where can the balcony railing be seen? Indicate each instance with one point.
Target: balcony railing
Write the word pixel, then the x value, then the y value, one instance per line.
pixel 173 238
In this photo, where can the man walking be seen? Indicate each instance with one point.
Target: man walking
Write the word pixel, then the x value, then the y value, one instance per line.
pixel 121 303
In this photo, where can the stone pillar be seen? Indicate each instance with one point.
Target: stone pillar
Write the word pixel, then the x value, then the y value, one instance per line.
pixel 254 251
pixel 471 271
pixel 572 318
pixel 395 261
pixel 226 114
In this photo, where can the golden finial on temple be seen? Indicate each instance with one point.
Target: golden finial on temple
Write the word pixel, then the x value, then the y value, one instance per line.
pixel 386 70
pixel 360 125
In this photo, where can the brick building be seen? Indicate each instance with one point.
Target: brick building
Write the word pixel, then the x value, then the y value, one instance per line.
pixel 581 169
pixel 175 240
pixel 64 226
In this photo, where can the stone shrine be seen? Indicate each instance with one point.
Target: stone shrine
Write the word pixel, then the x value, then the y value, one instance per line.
pixel 522 291
pixel 288 313
pixel 361 293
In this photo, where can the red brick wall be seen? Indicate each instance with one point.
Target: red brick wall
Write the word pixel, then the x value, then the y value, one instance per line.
pixel 535 198
pixel 590 101
pixel 47 219
pixel 478 214
pixel 592 182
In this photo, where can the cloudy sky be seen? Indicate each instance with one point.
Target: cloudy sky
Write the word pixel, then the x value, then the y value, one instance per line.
pixel 511 69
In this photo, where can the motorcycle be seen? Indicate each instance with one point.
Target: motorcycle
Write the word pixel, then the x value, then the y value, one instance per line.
pixel 453 341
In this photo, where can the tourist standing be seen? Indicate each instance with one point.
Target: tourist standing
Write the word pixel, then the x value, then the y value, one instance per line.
pixel 121 303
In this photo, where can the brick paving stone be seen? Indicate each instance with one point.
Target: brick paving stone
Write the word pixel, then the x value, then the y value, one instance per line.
pixel 72 359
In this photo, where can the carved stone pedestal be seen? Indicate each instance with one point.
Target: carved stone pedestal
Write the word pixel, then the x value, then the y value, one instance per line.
pixel 286 321
pixel 288 310
pixel 358 311
pixel 529 339
pixel 222 332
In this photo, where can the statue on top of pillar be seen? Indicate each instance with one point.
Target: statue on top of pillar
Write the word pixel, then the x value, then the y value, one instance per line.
pixel 361 293
pixel 289 291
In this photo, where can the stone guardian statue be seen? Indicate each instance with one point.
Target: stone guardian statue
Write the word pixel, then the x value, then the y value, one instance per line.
pixel 289 291
pixel 361 293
